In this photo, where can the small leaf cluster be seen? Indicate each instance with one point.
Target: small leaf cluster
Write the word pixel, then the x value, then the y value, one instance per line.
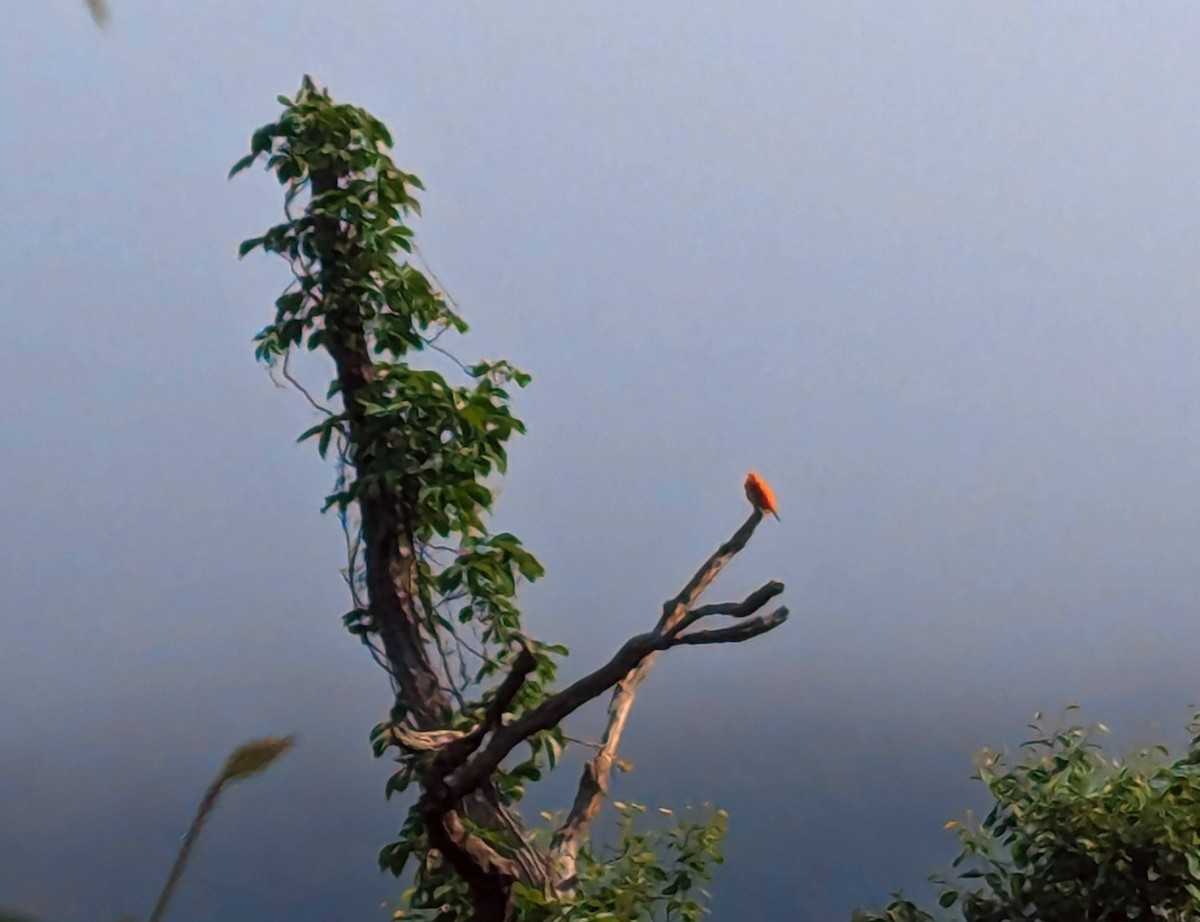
pixel 1075 835
pixel 651 874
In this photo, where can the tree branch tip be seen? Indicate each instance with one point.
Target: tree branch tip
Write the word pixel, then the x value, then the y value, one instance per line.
pixel 743 609
pixel 737 633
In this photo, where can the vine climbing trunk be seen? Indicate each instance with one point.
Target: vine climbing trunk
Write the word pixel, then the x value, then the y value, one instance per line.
pixel 388 550
pixel 389 557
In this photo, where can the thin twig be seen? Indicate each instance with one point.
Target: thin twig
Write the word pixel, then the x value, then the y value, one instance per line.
pixel 437 281
pixel 287 374
pixel 450 355
pixel 185 850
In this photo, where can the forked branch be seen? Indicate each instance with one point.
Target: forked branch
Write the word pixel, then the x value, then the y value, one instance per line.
pixel 467 763
pixel 677 616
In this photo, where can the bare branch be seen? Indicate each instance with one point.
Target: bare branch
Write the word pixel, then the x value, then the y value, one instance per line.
pixel 459 835
pixel 294 382
pixel 551 712
pixel 454 756
pixel 425 740
pixel 444 659
pixel 524 664
pixel 431 616
pixel 430 344
pixel 736 633
pixel 677 614
pixel 710 570
pixel 556 708
pixel 593 785
pixel 743 609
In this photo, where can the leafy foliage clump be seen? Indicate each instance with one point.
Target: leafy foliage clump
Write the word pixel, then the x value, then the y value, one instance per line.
pixel 1074 835
pixel 651 874
pixel 631 881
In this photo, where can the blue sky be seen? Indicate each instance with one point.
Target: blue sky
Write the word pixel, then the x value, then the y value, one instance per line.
pixel 929 267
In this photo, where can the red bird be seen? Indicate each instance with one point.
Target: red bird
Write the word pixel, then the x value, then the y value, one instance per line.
pixel 760 495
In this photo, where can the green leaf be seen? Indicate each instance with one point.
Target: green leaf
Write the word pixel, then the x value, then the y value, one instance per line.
pixel 393 858
pixel 398 783
pixel 261 140
pixel 312 430
pixel 248 245
pixel 241 165
pixel 323 441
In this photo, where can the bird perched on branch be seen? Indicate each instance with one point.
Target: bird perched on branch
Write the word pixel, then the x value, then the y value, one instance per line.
pixel 760 495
